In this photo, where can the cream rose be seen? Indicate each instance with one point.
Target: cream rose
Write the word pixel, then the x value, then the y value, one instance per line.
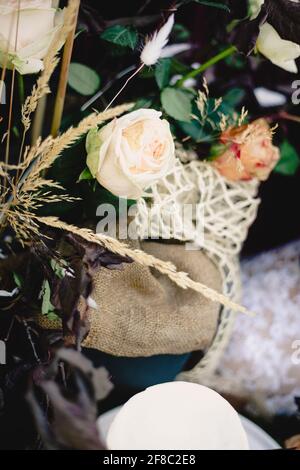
pixel 249 152
pixel 25 37
pixel 281 52
pixel 132 152
pixel 269 43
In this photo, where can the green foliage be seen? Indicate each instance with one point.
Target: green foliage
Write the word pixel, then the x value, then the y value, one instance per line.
pixel 83 79
pixel 210 3
pixel 179 67
pixel 177 103
pixel 147 72
pixel 195 131
pixel 143 103
pixel 162 72
pixel 180 32
pixel 85 175
pixel 207 114
pixel 289 161
pixel 59 268
pixel 18 279
pixel 47 307
pixel 236 61
pixel 121 35
pixel 233 97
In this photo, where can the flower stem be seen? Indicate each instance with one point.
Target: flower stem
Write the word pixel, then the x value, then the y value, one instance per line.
pixel 214 60
pixel 62 85
pixel 21 88
pixel 7 149
pixel 38 120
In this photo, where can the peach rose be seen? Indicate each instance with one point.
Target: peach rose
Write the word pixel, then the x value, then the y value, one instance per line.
pixel 249 152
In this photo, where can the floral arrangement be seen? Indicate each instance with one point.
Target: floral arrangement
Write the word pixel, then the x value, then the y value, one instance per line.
pixel 81 129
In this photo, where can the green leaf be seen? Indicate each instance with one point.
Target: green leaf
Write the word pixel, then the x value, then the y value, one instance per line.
pixel 234 97
pixel 85 175
pixel 142 103
pixel 52 316
pixel 194 130
pixel 177 103
pixel 213 4
pixel 289 161
pixel 217 149
pixel 18 279
pixel 179 67
pixel 162 72
pixel 83 79
pixel 122 35
pixel 46 293
pixel 93 144
pixel 147 72
pixel 59 268
pixel 180 32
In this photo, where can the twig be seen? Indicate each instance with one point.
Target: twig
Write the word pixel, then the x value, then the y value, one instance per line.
pixel 137 21
pixel 106 87
pixel 9 117
pixel 21 88
pixel 124 86
pixel 9 329
pixel 12 91
pixel 38 120
pixel 4 68
pixel 143 7
pixel 28 332
pixel 41 88
pixel 62 86
pixel 289 117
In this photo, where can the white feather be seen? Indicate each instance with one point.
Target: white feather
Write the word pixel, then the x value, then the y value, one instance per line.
pixel 154 45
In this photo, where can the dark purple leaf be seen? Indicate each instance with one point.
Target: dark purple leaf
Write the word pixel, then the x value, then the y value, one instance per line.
pixel 70 422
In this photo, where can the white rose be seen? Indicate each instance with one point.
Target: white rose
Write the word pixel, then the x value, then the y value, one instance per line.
pixel 132 152
pixel 25 37
pixel 279 51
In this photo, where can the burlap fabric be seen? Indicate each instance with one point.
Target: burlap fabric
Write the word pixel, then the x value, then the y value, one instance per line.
pixel 143 313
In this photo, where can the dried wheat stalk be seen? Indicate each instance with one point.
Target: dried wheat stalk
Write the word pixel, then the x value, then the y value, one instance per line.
pixel 180 278
pixel 26 195
pixel 69 137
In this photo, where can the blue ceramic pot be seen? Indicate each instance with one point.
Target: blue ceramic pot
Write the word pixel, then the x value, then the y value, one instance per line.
pixel 139 372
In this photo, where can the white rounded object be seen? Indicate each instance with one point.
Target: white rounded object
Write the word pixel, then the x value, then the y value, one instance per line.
pixel 177 416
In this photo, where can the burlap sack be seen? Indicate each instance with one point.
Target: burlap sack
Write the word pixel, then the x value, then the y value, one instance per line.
pixel 143 313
